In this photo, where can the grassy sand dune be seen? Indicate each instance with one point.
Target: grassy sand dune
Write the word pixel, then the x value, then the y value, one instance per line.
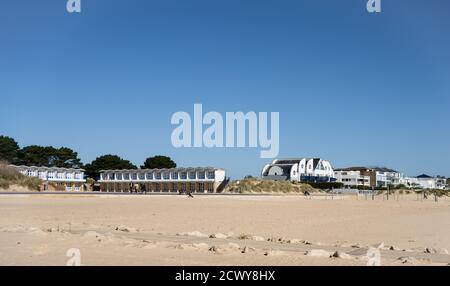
pixel 257 186
pixel 11 179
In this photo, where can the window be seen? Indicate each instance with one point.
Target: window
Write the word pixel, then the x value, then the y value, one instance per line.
pixel 175 175
pixel 149 176
pixel 118 176
pixel 126 176
pixel 211 175
pixel 201 175
pixel 166 175
pixel 133 176
pixel 158 176
pixel 141 176
pixel 60 175
pixel 183 175
pixel 192 175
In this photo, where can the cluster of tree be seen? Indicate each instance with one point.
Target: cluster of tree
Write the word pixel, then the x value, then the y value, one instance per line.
pixel 66 158
pixel 37 155
pixel 114 162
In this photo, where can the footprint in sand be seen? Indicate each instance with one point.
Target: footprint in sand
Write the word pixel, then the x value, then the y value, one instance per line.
pixel 192 233
pixel 125 228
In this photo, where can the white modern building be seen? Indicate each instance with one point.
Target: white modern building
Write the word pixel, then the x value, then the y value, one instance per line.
pixel 55 179
pixel 387 177
pixel 375 177
pixel 353 178
pixel 197 180
pixel 300 170
pixel 426 182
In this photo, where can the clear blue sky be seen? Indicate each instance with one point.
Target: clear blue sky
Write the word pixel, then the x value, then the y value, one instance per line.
pixel 352 87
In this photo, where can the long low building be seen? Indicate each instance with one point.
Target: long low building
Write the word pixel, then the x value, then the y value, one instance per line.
pixel 196 180
pixel 55 179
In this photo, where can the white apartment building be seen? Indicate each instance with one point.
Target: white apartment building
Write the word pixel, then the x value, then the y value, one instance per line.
pixel 353 178
pixel 55 179
pixel 368 177
pixel 425 182
pixel 387 177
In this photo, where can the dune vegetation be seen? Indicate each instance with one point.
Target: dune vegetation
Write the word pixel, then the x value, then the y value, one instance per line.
pixel 9 176
pixel 258 186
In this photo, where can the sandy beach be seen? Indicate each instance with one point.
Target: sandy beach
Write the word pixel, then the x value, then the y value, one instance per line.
pixel 222 230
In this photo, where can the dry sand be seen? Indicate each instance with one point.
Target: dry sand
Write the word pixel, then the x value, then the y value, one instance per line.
pixel 222 230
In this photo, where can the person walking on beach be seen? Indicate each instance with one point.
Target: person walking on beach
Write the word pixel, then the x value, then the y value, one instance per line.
pixel 189 194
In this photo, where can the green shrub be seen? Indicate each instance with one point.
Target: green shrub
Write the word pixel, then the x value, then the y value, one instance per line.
pixel 4 184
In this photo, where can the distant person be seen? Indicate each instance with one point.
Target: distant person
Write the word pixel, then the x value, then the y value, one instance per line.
pixel 131 188
pixel 189 194
pixel 307 193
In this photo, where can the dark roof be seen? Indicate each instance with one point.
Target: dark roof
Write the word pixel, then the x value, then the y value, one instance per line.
pixel 353 169
pixel 379 169
pixel 383 169
pixel 424 176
